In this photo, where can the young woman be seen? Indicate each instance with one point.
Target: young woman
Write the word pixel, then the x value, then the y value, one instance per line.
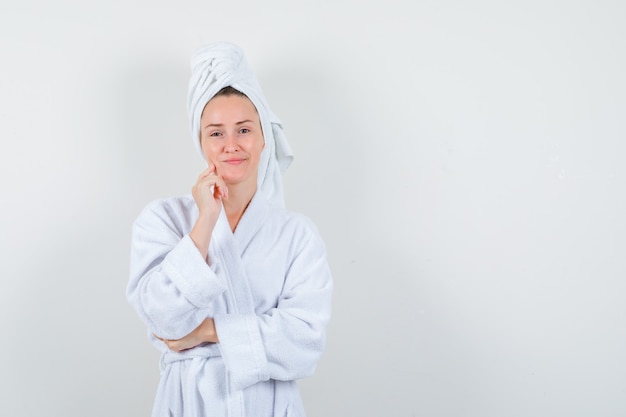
pixel 235 289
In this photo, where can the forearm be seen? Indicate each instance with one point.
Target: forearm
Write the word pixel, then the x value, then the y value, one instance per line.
pixel 207 193
pixel 174 296
pixel 281 345
pixel 201 233
pixel 204 333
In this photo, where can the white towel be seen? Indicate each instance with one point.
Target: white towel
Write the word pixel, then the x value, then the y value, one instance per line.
pixel 223 64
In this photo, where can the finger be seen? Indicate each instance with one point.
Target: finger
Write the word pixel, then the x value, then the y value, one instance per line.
pixel 208 171
pixel 209 181
pixel 214 168
pixel 220 189
pixel 219 186
pixel 172 345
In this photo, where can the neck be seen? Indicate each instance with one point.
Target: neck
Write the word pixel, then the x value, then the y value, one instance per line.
pixel 237 202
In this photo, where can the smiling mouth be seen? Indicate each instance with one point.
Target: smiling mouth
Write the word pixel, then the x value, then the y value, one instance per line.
pixel 234 161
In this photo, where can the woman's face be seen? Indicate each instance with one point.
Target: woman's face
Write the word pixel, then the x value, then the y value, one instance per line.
pixel 232 139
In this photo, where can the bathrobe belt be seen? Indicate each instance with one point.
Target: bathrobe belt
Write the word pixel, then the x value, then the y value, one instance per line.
pixel 200 352
pixel 197 357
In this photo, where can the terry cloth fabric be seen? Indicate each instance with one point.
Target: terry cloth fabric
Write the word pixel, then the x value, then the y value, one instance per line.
pixel 223 64
pixel 267 286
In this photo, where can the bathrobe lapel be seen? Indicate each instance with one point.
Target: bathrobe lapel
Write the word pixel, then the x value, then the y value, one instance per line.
pixel 227 249
pixel 229 258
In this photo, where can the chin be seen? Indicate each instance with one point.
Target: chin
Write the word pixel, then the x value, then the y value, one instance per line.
pixel 232 180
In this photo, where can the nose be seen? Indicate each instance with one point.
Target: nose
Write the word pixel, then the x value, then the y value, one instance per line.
pixel 230 144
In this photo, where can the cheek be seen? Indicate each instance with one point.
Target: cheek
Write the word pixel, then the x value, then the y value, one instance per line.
pixel 261 143
pixel 209 150
pixel 259 149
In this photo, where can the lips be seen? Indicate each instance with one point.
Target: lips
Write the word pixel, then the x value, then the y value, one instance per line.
pixel 234 161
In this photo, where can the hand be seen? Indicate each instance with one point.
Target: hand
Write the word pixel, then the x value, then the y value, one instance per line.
pixel 204 333
pixel 207 193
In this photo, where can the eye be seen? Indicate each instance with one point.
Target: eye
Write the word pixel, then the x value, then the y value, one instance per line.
pixel 215 134
pixel 244 130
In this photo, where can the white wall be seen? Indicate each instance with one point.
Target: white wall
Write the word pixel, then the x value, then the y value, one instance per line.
pixel 463 161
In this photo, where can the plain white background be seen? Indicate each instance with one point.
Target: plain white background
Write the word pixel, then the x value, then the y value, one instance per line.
pixel 464 162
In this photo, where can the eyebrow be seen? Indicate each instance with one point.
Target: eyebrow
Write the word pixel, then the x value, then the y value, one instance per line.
pixel 222 124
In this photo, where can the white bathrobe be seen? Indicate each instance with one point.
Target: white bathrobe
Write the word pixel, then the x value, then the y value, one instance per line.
pixel 268 288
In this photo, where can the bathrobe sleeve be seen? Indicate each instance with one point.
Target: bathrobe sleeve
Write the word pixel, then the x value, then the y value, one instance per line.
pixel 171 286
pixel 286 342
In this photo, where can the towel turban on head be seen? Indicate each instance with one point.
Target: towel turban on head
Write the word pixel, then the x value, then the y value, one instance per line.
pixel 223 64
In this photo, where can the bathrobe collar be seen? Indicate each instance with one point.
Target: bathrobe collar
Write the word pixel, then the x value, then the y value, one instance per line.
pixel 249 224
